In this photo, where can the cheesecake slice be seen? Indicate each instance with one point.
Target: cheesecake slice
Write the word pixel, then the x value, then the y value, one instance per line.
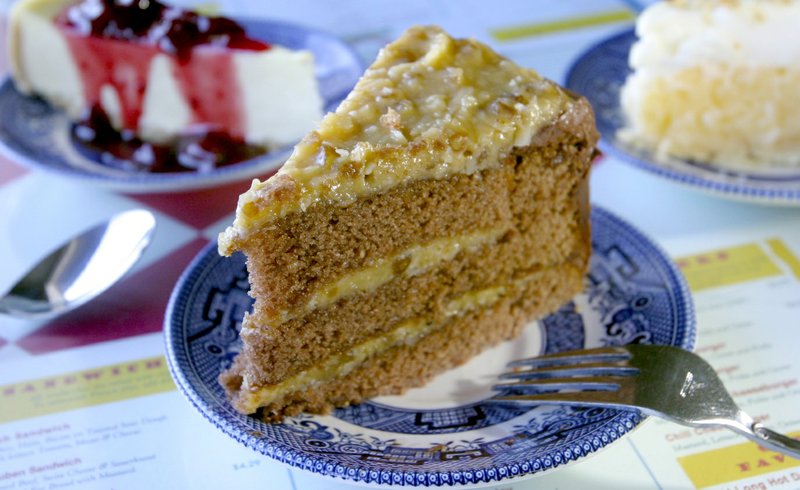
pixel 160 72
pixel 442 207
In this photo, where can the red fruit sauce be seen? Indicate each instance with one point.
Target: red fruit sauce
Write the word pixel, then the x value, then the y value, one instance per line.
pixel 114 43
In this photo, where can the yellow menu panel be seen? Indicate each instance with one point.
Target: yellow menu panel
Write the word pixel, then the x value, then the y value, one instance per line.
pixel 728 266
pixel 68 391
pixel 733 463
pixel 517 32
pixel 785 254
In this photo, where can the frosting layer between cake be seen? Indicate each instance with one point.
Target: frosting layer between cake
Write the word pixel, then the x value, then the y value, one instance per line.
pixel 407 332
pixel 412 261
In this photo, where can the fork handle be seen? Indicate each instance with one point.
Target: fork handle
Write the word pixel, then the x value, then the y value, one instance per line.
pixel 775 441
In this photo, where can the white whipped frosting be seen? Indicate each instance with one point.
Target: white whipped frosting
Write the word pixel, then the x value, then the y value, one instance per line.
pixel 716 81
pixel 676 34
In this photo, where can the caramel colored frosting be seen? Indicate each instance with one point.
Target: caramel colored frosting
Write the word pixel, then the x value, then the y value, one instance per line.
pixel 429 107
pixel 407 332
pixel 410 262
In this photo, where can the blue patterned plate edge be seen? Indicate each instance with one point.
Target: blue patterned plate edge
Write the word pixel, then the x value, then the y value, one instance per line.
pixel 217 411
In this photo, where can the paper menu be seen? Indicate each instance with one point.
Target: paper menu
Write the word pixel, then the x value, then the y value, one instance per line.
pixel 108 415
pixel 747 299
pixel 85 419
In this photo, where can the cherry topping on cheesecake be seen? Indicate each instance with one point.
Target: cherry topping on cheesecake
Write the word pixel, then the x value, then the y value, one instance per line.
pixel 199 151
pixel 114 43
pixel 171 29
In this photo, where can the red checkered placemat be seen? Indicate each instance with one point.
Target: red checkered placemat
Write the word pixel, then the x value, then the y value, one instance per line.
pixel 187 221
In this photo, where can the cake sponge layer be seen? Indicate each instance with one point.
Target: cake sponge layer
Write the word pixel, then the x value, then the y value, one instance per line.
pixel 409 365
pixel 535 204
pixel 442 206
pixel 305 252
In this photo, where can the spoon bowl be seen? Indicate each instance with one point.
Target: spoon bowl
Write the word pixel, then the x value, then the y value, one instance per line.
pixel 82 268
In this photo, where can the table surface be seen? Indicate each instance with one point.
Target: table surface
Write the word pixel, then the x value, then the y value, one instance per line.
pixel 38 210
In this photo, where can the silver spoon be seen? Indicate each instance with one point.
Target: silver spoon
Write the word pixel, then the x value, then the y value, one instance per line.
pixel 82 268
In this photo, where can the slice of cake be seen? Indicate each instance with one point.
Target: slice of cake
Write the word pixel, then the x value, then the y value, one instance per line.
pixel 160 72
pixel 716 81
pixel 438 210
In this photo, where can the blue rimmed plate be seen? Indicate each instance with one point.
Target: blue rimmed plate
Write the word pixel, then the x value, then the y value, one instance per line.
pixel 445 433
pixel 36 135
pixel 598 74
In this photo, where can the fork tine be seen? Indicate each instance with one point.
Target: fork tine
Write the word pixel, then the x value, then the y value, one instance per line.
pixel 607 354
pixel 588 369
pixel 584 398
pixel 603 383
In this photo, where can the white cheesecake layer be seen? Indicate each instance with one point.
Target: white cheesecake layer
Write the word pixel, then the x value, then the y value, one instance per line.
pixel 278 91
pixel 40 59
pixel 165 113
pixel 716 81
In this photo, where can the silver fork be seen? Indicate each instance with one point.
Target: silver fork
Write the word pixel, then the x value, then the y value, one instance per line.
pixel 664 381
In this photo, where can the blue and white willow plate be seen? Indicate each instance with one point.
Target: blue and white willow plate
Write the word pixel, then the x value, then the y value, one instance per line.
pixel 599 73
pixel 38 136
pixel 446 433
